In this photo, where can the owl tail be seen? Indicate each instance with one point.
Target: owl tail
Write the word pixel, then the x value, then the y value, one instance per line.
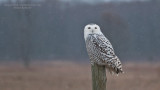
pixel 114 70
pixel 110 70
pixel 119 71
pixel 114 66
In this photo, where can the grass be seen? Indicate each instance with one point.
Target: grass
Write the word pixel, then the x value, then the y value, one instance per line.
pixel 74 76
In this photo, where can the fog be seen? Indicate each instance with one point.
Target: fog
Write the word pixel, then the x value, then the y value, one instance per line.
pixel 52 30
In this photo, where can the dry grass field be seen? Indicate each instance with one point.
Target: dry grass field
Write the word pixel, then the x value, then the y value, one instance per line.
pixel 61 75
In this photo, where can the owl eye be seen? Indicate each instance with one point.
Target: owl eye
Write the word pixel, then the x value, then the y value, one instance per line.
pixel 89 27
pixel 95 27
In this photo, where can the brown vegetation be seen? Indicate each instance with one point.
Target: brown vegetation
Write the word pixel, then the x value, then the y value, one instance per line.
pixel 75 76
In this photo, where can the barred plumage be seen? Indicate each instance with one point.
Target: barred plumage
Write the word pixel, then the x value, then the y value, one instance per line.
pixel 100 50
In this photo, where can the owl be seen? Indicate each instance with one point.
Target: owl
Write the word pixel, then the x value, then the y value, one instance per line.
pixel 100 50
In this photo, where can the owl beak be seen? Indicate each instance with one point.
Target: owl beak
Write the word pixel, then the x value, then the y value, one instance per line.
pixel 92 31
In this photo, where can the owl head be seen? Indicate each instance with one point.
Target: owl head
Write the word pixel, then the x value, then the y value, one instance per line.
pixel 91 29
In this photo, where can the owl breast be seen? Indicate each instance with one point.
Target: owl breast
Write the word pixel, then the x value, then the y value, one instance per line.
pixel 92 49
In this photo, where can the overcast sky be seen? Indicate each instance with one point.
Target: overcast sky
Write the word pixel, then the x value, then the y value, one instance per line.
pixel 87 1
pixel 90 1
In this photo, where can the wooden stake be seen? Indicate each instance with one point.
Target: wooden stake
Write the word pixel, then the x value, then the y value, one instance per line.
pixel 99 78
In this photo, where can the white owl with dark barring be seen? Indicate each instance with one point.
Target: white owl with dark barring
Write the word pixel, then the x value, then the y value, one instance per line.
pixel 100 50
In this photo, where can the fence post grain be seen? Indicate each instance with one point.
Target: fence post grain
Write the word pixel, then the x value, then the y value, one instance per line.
pixel 99 78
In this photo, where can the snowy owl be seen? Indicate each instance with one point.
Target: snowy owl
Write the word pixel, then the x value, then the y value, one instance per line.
pixel 100 50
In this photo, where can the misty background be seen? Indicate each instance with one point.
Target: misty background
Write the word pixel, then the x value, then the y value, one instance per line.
pixel 53 29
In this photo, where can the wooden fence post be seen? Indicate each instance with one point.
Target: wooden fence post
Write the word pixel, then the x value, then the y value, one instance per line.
pixel 99 78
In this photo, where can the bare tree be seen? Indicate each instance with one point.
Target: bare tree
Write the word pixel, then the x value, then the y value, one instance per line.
pixel 25 26
pixel 116 30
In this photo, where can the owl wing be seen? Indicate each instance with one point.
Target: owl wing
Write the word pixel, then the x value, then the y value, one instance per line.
pixel 104 46
pixel 106 54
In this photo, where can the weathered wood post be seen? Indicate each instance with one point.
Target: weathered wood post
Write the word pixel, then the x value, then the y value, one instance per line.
pixel 99 78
